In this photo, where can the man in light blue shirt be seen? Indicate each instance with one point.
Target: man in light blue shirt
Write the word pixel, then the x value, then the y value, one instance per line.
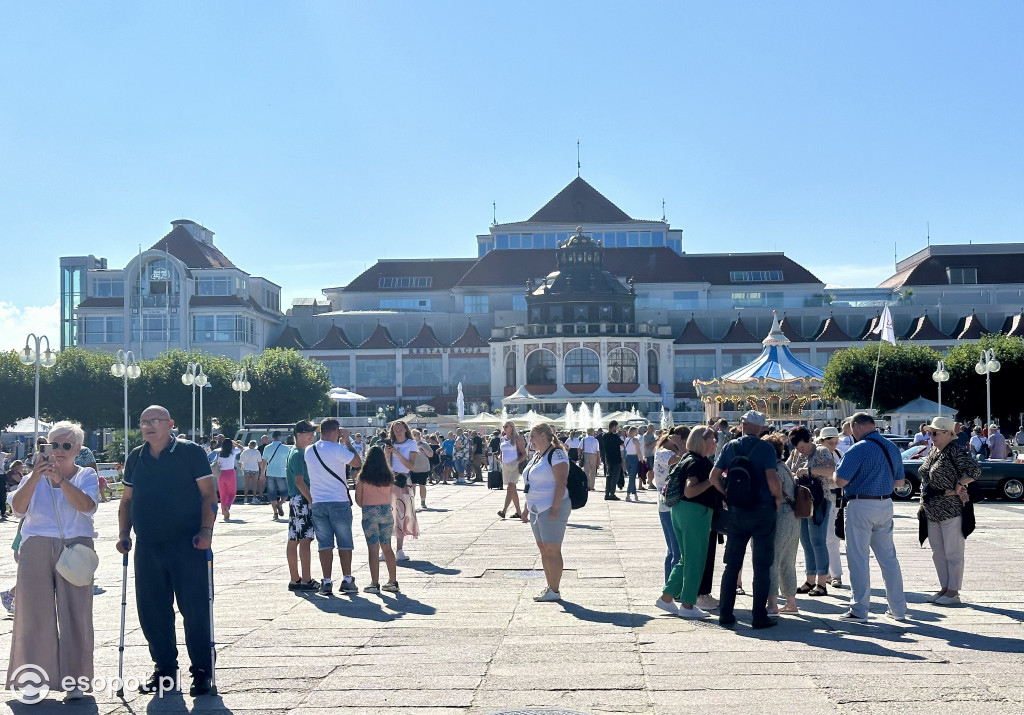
pixel 275 463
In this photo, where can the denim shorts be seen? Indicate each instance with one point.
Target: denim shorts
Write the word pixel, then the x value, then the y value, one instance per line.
pixel 332 520
pixel 378 524
pixel 277 489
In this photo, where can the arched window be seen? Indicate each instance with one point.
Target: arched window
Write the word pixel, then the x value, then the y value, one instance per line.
pixel 622 366
pixel 653 377
pixel 582 365
pixel 510 370
pixel 540 367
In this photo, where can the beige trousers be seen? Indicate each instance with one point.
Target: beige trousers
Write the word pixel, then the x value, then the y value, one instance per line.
pixel 52 619
pixel 590 462
pixel 947 542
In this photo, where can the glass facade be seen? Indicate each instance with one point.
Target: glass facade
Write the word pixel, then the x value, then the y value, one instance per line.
pixel 71 288
pixel 622 367
pixel 470 371
pixel 582 365
pixel 653 374
pixel 95 330
pixel 475 304
pixel 416 304
pixel 155 328
pixel 510 370
pixel 540 368
pixel 339 370
pixel 610 239
pixel 421 372
pixel 223 329
pixel 687 368
pixel 108 287
pixel 375 372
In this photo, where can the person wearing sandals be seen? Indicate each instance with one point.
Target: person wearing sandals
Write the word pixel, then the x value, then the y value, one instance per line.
pixel 945 474
pixel 829 439
pixel 547 504
pixel 53 629
pixel 300 511
pixel 809 460
pixel 373 495
pixel 787 536
pixel 691 521
pixel 401 450
pixel 513 450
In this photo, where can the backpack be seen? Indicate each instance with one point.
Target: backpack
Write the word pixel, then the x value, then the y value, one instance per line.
pixel 803 505
pixel 578 485
pixel 743 485
pixel 672 492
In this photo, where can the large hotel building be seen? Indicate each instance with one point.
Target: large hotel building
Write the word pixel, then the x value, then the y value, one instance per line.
pixel 579 302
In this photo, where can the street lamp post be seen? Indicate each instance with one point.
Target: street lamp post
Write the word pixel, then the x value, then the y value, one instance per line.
pixel 31 356
pixel 194 376
pixel 987 364
pixel 126 368
pixel 940 376
pixel 240 385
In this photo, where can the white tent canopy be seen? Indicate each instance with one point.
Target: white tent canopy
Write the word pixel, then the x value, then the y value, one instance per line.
pixel 518 397
pixel 25 427
pixel 916 412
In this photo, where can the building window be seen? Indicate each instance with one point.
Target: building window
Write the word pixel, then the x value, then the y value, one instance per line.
pixel 108 287
pixel 375 372
pixel 339 372
pixel 405 282
pixel 518 302
pixel 582 365
pixel 155 328
pixel 475 304
pixel 414 304
pixel 685 300
pixel 580 312
pixel 653 375
pixel 95 330
pixel 223 329
pixel 622 367
pixel 687 368
pixel 540 367
pixel 734 361
pixel 756 300
pixel 510 370
pixel 471 371
pixel 960 276
pixel 755 276
pixel 214 285
pixel 72 287
pixel 421 372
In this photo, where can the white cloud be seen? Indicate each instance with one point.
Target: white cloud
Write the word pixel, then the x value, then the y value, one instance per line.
pixel 16 323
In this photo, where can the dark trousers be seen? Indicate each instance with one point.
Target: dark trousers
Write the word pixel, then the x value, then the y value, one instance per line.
pixel 746 525
pixel 611 481
pixel 165 573
pixel 709 567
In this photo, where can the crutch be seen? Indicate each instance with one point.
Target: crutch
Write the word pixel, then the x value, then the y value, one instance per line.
pixel 120 648
pixel 213 641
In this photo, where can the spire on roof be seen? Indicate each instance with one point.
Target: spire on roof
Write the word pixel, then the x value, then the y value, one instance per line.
pixel 775 335
pixel 692 334
pixel 470 338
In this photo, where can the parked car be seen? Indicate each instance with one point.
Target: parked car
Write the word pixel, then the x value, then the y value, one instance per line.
pixel 902 442
pixel 1000 479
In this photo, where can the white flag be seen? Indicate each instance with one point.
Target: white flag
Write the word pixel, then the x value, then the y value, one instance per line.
pixel 885 327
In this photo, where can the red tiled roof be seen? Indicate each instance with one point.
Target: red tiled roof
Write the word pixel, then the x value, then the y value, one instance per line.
pixel 738 333
pixel 379 339
pixel 425 338
pixel 289 338
pixel 102 303
pixel 789 331
pixel 969 328
pixel 924 329
pixel 691 335
pixel 333 339
pixel 193 253
pixel 579 203
pixel 829 332
pixel 470 338
pixel 443 273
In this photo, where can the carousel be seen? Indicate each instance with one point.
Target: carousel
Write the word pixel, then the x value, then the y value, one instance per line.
pixel 776 383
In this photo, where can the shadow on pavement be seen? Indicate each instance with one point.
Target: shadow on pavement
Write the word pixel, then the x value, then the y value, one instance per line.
pixel 615 618
pixel 399 603
pixel 428 568
pixel 588 527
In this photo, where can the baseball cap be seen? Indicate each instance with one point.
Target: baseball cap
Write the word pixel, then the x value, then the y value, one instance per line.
pixel 753 417
pixel 304 426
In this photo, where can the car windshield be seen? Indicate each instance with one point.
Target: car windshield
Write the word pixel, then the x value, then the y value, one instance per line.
pixel 917 452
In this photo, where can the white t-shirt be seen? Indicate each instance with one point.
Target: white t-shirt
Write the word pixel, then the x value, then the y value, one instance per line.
pixel 661 470
pixel 573 442
pixel 541 479
pixel 40 519
pixel 977 442
pixel 509 451
pixel 922 438
pixel 322 485
pixel 229 462
pixel 591 445
pixel 407 449
pixel 631 449
pixel 359 447
pixel 845 442
pixel 250 459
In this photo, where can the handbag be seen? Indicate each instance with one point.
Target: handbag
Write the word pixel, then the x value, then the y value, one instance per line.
pixel 77 563
pixel 803 504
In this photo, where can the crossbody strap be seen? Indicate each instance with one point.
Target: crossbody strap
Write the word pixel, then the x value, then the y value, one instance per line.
pixel 885 452
pixel 332 472
pixel 56 511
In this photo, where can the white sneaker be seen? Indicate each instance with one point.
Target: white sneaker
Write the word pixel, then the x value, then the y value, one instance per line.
pixel 935 597
pixel 400 556
pixel 893 617
pixel 548 595
pixel 695 612
pixel 667 607
pixel 851 617
pixel 947 601
pixel 707 602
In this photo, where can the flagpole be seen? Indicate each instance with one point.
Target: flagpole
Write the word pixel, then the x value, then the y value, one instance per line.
pixel 875 383
pixel 885 334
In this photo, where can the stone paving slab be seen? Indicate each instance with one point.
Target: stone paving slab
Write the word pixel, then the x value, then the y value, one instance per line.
pixel 465 637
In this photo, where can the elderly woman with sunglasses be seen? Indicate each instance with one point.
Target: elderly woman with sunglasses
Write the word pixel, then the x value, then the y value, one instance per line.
pixel 53 628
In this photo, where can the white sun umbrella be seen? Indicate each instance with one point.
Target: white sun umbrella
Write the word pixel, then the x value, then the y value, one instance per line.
pixel 340 394
pixel 484 419
pixel 460 403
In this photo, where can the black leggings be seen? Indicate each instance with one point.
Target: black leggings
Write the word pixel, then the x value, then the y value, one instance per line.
pixel 709 567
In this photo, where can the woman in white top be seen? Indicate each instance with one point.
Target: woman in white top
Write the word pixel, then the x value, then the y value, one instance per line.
pixel 250 461
pixel 667 452
pixel 573 445
pixel 400 449
pixel 547 504
pixel 633 452
pixel 53 628
pixel 421 467
pixel 513 449
pixel 227 481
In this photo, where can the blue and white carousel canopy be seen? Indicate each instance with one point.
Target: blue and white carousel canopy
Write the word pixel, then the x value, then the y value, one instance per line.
pixel 775 362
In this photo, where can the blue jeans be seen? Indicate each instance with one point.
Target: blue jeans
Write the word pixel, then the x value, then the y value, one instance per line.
pixel 814 539
pixel 332 522
pixel 672 557
pixel 632 465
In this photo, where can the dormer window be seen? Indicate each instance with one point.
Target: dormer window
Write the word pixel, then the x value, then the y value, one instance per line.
pixel 962 276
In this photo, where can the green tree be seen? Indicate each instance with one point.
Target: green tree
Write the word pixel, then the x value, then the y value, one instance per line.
pixel 115 447
pixel 285 387
pixel 80 387
pixel 17 387
pixel 904 373
pixel 966 388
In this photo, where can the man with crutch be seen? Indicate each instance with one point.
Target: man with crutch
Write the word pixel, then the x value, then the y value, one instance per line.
pixel 169 501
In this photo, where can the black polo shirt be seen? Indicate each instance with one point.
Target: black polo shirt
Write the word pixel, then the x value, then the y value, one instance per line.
pixel 166 502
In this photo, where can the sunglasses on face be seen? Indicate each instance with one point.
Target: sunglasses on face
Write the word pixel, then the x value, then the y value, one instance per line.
pixel 66 446
pixel 153 422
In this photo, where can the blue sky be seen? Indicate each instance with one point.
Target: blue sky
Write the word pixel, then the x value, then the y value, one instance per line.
pixel 314 138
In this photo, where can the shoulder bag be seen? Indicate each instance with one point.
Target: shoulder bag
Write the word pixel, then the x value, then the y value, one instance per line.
pixel 77 563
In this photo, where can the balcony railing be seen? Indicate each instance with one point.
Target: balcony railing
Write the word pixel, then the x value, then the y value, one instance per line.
pixel 156 301
pixel 571 329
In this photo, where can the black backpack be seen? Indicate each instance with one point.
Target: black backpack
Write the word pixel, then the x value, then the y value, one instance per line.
pixel 578 485
pixel 742 485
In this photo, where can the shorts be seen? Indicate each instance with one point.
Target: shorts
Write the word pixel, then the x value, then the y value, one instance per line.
pixel 550 531
pixel 251 474
pixel 277 489
pixel 300 519
pixel 332 520
pixel 419 477
pixel 509 473
pixel 378 524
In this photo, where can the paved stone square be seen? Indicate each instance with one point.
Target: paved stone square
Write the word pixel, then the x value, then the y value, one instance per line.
pixel 465 636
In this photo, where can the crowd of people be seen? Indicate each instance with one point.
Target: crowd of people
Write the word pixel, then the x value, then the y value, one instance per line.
pixel 754 486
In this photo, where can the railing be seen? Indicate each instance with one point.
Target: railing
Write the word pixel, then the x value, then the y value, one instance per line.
pixel 570 329
pixel 156 301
